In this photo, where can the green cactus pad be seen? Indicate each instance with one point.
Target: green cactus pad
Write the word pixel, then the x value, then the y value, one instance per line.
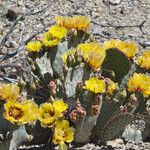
pixel 107 111
pixel 115 126
pixel 37 131
pixel 117 62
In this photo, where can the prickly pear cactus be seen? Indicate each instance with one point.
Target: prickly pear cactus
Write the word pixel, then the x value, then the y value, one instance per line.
pixel 76 90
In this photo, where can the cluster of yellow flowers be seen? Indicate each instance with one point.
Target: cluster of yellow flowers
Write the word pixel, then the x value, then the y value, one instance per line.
pixel 9 92
pixel 76 22
pixel 50 38
pixel 139 82
pixel 128 48
pixel 95 85
pixel 51 115
pixel 63 133
pixel 19 111
pixel 92 54
pixel 58 31
pixel 144 59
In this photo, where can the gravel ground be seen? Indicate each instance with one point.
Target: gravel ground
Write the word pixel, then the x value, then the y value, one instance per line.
pixel 117 144
pixel 126 19
pixel 123 19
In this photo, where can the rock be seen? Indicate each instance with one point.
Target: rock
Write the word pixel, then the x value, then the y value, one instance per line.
pixel 4 50
pixel 13 44
pixel 13 13
pixel 113 2
pixel 8 24
pixel 7 44
pixel 20 3
pixel 112 143
pixel 119 141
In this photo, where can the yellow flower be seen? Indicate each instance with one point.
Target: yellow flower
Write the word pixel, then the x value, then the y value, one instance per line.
pixel 81 23
pixel 63 133
pixel 49 40
pixel 58 32
pixel 54 36
pixel 93 54
pixel 9 92
pixel 111 87
pixel 59 105
pixel 15 112
pixel 33 110
pixel 110 44
pixel 76 22
pixel 50 113
pixel 128 48
pixel 34 46
pixel 95 85
pixel 144 59
pixel 66 22
pixel 139 82
pixel 21 112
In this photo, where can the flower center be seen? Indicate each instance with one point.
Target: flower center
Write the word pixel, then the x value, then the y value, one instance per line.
pixel 49 114
pixel 15 113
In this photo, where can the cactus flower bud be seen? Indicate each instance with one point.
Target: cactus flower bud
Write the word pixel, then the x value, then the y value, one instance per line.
pixel 123 94
pixel 133 100
pixel 77 114
pixel 70 59
pixel 21 83
pixel 98 100
pixel 74 116
pixel 95 110
pixel 81 110
pixel 101 77
pixel 79 86
pixel 52 87
pixel 33 87
pixel 78 56
pixel 30 60
pixel 65 68
pixel 33 67
pixel 112 74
